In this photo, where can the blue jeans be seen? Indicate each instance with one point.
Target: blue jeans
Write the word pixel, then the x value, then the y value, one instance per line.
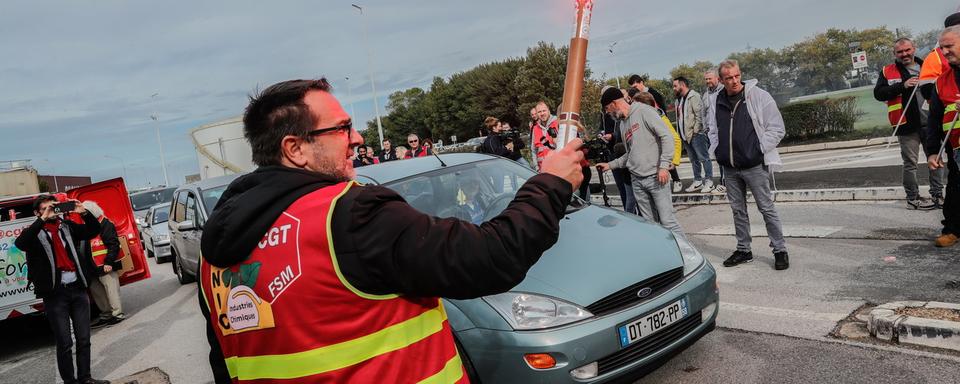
pixel 656 202
pixel 63 306
pixel 757 179
pixel 622 178
pixel 698 150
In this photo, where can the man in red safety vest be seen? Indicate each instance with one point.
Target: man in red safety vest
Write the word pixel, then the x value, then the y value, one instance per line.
pixel 943 131
pixel 307 276
pixel 897 86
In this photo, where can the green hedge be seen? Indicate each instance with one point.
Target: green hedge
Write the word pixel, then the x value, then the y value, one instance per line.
pixel 820 117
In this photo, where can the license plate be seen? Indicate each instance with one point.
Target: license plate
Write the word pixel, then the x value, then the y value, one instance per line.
pixel 647 325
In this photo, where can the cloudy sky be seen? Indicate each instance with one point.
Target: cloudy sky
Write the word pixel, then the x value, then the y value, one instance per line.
pixel 80 80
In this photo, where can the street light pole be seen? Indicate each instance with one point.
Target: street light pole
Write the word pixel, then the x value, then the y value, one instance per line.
pixel 56 188
pixel 373 85
pixel 616 69
pixel 163 163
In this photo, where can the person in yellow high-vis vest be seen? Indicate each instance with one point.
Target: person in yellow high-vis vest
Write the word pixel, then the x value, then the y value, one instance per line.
pixel 105 289
pixel 307 276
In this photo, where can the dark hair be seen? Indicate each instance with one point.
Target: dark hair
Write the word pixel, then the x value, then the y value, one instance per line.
pixel 682 80
pixel 636 79
pixel 42 199
pixel 276 112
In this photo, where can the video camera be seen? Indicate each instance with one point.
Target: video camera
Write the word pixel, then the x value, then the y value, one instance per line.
pixel 597 149
pixel 508 136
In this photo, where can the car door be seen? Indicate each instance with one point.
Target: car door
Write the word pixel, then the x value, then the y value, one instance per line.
pixel 191 237
pixel 177 215
pixel 111 195
pixel 148 231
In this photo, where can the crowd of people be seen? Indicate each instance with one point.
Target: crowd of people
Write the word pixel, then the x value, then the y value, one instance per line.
pixel 365 155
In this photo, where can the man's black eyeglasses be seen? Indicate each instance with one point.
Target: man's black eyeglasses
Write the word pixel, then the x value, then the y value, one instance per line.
pixel 344 127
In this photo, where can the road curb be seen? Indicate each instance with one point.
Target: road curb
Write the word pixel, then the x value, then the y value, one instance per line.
pixel 787 196
pixel 859 143
pixel 885 324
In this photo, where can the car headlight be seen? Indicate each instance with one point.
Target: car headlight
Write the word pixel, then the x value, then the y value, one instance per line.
pixel 525 311
pixel 139 220
pixel 692 259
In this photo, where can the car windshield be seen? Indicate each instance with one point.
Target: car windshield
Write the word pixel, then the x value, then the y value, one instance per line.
pixel 144 200
pixel 161 215
pixel 475 192
pixel 212 196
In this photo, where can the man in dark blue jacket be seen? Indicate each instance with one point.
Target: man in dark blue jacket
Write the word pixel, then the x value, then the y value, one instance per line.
pixel 744 131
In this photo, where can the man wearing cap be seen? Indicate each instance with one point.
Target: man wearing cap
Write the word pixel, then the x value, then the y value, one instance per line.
pixel 649 157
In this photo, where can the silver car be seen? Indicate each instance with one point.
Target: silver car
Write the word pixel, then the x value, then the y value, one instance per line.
pixel 156 235
pixel 612 299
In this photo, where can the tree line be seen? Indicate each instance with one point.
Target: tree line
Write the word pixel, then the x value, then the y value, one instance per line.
pixel 508 89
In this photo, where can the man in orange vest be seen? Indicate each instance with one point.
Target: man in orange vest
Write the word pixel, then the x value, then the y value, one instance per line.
pixel 935 64
pixel 943 130
pixel 896 85
pixel 307 276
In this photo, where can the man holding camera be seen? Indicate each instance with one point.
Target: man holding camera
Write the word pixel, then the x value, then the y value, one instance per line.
pixel 60 274
pixel 501 142
pixel 649 157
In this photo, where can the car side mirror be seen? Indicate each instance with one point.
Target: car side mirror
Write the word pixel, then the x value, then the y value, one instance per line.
pixel 186 226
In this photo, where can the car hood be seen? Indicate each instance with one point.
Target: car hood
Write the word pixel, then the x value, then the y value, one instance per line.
pixel 160 229
pixel 599 252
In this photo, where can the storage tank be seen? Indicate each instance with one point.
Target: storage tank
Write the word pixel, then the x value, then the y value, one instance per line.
pixel 222 149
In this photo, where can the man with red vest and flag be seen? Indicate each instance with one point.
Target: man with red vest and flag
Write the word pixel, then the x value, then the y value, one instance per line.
pixel 307 276
pixel 896 85
pixel 943 132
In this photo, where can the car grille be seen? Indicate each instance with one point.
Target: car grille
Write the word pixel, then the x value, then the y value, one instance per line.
pixel 644 348
pixel 628 296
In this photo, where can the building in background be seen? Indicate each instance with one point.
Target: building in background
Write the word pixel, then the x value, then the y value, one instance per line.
pixel 57 183
pixel 18 178
pixel 222 149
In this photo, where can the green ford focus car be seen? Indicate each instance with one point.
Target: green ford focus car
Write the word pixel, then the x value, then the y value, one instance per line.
pixel 613 299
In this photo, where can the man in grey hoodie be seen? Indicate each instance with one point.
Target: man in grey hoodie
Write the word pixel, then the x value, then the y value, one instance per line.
pixel 649 156
pixel 745 129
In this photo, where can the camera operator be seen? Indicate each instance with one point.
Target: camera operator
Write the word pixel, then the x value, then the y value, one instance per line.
pixel 500 142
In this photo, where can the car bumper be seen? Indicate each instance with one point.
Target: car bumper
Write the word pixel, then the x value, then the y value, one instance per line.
pixel 498 356
pixel 162 250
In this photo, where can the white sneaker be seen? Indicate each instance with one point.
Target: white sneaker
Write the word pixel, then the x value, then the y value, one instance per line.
pixel 707 186
pixel 696 186
pixel 720 189
pixel 677 187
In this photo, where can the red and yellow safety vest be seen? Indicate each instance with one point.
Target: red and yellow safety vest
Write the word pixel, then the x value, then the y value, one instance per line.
pixel 98 250
pixel 949 94
pixel 288 315
pixel 894 105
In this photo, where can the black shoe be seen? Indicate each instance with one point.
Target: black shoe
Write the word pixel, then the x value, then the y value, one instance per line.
pixel 781 260
pixel 100 323
pixel 737 258
pixel 94 381
pixel 116 319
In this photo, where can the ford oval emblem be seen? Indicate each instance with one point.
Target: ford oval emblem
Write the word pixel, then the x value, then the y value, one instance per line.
pixel 644 292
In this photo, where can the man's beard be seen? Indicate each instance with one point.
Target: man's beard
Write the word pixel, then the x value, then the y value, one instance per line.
pixel 328 166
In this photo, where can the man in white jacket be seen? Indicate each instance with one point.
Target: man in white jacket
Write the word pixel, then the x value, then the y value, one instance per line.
pixel 745 128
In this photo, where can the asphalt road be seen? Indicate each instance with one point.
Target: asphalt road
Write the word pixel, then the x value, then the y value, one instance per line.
pixel 774 325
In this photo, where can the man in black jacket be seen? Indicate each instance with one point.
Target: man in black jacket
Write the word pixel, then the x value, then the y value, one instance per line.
pixel 302 139
pixel 639 83
pixel 105 250
pixel 903 81
pixel 61 271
